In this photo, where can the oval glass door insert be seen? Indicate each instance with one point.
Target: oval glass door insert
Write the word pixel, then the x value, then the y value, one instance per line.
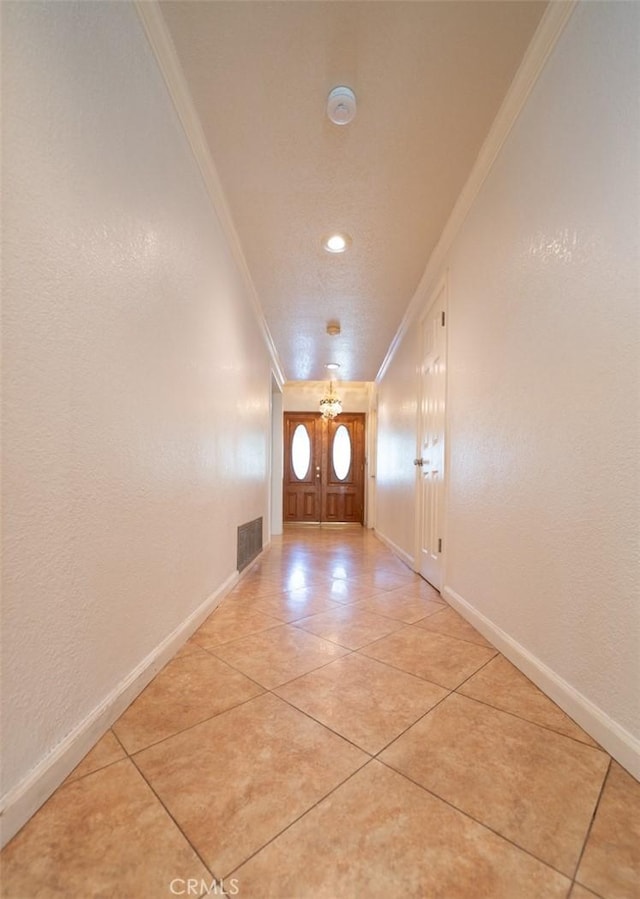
pixel 300 452
pixel 341 452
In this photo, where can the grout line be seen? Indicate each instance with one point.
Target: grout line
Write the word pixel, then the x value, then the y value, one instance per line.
pixel 589 889
pixel 295 677
pixel 269 627
pixel 593 818
pixel 419 676
pixel 522 717
pixel 321 723
pixel 421 718
pixel 477 821
pixel 68 783
pixel 117 738
pixel 184 730
pixel 164 806
pixel 300 816
pixel 343 645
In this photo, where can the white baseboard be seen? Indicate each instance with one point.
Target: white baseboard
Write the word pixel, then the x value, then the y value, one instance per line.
pixel 20 803
pixel 618 742
pixel 405 557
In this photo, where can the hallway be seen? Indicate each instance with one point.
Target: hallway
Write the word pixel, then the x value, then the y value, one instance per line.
pixel 334 729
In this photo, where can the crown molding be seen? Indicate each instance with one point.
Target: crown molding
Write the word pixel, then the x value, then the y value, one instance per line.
pixel 542 44
pixel 166 57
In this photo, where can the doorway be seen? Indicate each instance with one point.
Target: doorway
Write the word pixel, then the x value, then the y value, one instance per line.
pixel 323 467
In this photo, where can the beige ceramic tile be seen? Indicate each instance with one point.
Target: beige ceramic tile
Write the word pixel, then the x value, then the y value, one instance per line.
pixel 106 751
pixel 295 604
pixel 231 621
pixel 447 621
pixel 378 835
pixel 346 567
pixel 611 861
pixel 235 782
pixel 186 691
pixel 365 701
pixel 250 587
pixel 187 649
pixel 350 591
pixel 442 660
pixel 384 579
pixel 533 786
pixel 404 608
pixel 105 835
pixel 501 685
pixel 300 577
pixel 418 588
pixel 279 655
pixel 349 626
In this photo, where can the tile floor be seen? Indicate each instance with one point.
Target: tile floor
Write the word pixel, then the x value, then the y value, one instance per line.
pixel 335 730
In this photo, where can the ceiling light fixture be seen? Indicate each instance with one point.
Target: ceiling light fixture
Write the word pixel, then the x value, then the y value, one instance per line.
pixel 332 366
pixel 330 404
pixel 333 328
pixel 336 243
pixel 341 105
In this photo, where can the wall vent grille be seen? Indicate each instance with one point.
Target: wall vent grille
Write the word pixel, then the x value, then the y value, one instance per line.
pixel 249 542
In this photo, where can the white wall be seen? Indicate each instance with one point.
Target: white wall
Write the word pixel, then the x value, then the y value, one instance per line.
pixel 543 390
pixel 137 384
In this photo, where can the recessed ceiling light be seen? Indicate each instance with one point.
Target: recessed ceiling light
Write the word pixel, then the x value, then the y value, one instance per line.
pixel 332 366
pixel 336 243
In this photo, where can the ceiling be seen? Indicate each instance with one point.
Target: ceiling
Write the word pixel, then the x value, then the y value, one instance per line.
pixel 429 78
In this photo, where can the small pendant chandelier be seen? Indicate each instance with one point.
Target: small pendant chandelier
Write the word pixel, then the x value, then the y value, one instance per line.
pixel 330 404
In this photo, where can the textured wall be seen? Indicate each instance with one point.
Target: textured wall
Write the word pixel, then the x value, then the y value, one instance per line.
pixel 136 386
pixel 543 402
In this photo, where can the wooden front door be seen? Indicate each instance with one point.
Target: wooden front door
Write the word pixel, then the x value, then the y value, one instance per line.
pixel 323 467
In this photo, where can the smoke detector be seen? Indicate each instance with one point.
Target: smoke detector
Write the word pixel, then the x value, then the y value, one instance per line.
pixel 341 105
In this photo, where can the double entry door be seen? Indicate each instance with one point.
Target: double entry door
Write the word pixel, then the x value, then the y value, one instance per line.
pixel 323 467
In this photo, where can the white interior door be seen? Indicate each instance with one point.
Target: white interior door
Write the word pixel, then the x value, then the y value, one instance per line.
pixel 430 460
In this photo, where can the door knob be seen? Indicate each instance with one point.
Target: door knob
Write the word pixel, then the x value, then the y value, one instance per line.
pixel 418 462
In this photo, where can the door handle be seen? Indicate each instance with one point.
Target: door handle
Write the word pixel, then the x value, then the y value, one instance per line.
pixel 419 462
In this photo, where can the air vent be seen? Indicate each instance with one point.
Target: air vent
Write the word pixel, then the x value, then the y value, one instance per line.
pixel 249 542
